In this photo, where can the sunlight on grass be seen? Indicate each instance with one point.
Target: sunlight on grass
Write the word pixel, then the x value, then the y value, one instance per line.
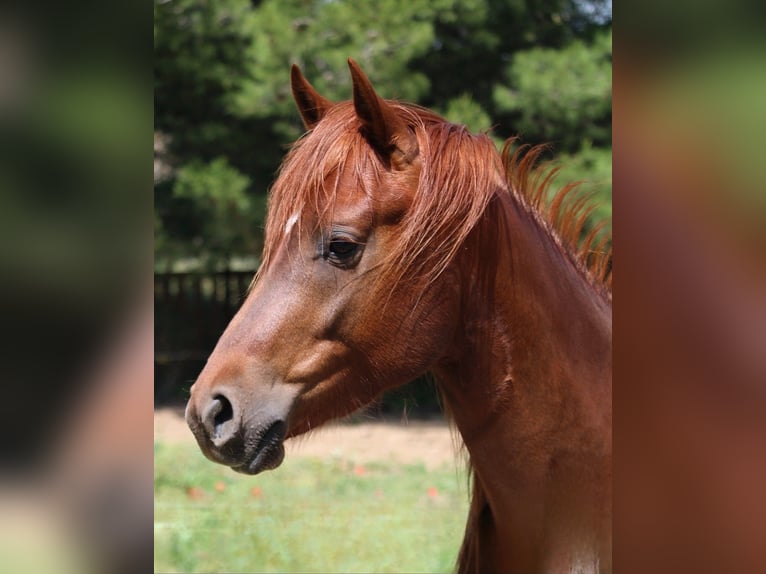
pixel 307 516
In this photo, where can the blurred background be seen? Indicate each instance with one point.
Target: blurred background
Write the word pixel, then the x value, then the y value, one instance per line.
pixel 690 287
pixel 75 297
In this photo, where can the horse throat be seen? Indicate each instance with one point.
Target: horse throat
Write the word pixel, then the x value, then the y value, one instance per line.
pixel 537 420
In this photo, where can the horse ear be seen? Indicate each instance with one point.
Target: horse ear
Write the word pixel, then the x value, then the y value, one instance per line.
pixel 383 128
pixel 311 105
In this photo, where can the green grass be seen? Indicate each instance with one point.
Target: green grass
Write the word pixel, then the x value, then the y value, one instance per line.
pixel 306 516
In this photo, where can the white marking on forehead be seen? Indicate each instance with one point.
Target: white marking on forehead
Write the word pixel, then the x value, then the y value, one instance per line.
pixel 291 222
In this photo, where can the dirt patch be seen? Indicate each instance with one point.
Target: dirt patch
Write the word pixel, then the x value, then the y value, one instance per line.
pixel 428 442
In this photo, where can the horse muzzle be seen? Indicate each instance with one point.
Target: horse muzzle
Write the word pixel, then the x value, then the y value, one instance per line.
pixel 230 430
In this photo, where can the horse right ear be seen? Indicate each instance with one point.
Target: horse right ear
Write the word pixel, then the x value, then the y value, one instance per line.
pixel 311 105
pixel 385 131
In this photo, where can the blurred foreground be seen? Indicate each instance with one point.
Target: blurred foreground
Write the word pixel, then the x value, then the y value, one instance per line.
pixel 689 290
pixel 75 296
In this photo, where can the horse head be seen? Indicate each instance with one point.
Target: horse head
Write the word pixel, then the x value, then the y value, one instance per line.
pixel 338 312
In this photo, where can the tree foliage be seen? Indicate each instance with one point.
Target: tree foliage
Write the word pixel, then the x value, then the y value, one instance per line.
pixel 561 96
pixel 223 106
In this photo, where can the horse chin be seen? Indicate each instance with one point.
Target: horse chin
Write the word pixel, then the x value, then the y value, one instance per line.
pixel 267 459
pixel 270 451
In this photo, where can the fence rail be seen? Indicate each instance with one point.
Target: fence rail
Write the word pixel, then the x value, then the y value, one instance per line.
pixel 191 311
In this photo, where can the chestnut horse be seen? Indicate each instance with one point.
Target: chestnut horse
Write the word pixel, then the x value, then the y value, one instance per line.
pixel 399 244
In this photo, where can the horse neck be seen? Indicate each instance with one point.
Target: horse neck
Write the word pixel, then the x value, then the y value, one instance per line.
pixel 537 420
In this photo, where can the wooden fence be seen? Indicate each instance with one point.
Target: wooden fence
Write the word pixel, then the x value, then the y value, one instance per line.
pixel 191 311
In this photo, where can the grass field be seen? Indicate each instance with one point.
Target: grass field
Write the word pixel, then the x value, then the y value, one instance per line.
pixel 307 516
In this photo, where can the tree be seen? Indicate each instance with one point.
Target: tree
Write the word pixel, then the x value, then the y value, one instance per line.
pixel 224 110
pixel 562 96
pixel 203 59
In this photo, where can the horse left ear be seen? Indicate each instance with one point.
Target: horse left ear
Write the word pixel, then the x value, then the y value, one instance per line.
pixel 383 128
pixel 311 105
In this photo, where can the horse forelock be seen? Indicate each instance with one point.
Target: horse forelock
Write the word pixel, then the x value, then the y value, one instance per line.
pixel 304 186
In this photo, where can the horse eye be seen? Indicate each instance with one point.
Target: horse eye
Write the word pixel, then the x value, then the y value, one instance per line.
pixel 343 249
pixel 342 252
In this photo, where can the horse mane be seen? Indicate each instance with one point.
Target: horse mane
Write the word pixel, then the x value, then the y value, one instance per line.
pixel 563 213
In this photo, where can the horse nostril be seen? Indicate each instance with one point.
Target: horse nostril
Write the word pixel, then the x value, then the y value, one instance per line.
pixel 218 419
pixel 224 414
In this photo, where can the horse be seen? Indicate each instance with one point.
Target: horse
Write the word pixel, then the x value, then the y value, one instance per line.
pixel 399 244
